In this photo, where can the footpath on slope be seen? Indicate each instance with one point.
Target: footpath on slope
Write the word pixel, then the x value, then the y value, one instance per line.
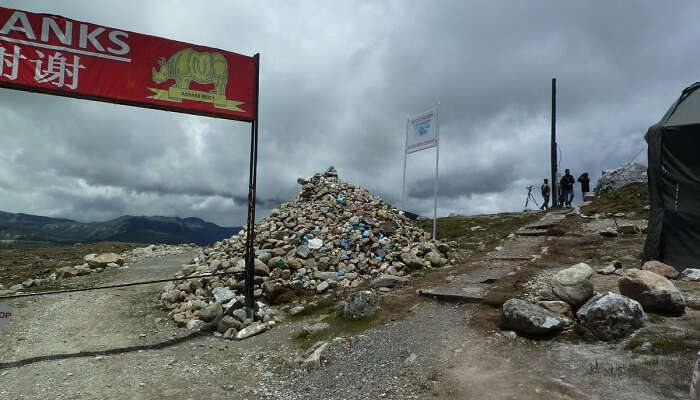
pixel 520 247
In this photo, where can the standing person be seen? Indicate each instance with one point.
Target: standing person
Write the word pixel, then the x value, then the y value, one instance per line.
pixel 567 187
pixel 585 188
pixel 545 194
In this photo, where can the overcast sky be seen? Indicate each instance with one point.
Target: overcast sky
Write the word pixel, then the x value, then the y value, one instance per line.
pixel 337 82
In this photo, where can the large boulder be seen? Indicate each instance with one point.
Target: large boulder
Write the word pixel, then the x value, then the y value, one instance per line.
pixel 103 259
pixel 529 318
pixel 361 304
pixel 621 176
pixel 573 285
pixel 653 291
pixel 611 316
pixel 660 268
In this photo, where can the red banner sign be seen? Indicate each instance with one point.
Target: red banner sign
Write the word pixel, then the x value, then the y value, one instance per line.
pixel 56 55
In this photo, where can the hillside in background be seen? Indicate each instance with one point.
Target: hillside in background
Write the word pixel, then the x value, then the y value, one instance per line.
pixel 171 230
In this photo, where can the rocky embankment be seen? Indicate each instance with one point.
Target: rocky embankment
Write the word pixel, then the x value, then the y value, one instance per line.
pixel 332 236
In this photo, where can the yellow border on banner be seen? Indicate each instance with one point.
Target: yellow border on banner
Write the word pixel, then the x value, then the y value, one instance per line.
pixel 176 95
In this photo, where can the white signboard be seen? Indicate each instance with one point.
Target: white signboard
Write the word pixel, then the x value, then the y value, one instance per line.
pixel 422 132
pixel 5 314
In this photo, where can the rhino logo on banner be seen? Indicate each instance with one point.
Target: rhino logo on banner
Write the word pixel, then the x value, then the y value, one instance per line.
pixel 189 65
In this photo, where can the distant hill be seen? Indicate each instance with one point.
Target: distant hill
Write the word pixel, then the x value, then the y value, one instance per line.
pixel 171 230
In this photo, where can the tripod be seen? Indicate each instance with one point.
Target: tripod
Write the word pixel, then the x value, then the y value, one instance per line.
pixel 530 196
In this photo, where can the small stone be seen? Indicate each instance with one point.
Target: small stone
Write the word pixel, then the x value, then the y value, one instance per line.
pixel 211 312
pixel 510 335
pixel 303 251
pixel 222 294
pixel 103 259
pixel 314 360
pixel 690 275
pixel 195 324
pixel 362 304
pixel 389 281
pixel 296 310
pixel 240 314
pixel 66 272
pixel 251 330
pixel 628 229
pixel 260 268
pixel 608 270
pixel 315 243
pixel 559 307
pixel 608 233
pixel 434 258
pixel 227 322
pixel 692 301
pixel 322 287
pixel 410 359
pixel 411 260
pixel 311 330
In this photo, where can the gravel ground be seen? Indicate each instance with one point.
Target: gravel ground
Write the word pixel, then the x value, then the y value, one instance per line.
pixel 117 344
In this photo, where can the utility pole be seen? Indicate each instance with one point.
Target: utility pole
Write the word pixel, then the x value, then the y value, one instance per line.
pixel 554 194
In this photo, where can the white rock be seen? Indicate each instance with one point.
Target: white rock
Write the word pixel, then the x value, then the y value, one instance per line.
pixel 251 330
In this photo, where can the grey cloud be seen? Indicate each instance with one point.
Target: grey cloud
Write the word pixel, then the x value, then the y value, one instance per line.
pixel 337 82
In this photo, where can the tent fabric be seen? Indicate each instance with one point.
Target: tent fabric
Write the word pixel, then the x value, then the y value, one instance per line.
pixel 674 184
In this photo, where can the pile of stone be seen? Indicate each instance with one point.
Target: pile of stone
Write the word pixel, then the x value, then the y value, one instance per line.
pixel 606 316
pixel 93 264
pixel 621 176
pixel 333 235
pixel 158 250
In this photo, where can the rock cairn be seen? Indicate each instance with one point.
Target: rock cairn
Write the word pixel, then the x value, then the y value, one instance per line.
pixel 332 235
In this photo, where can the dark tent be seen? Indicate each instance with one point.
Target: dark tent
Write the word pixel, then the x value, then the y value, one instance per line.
pixel 674 184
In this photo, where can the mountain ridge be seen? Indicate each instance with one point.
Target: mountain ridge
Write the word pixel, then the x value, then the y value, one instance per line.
pixel 22 227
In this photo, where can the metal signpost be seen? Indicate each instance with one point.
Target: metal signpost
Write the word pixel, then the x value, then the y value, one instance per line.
pixel 554 194
pixel 423 132
pixel 64 57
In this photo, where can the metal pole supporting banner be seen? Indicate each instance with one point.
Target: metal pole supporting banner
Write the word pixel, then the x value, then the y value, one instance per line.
pixel 252 182
pixel 437 159
pixel 405 154
pixel 554 195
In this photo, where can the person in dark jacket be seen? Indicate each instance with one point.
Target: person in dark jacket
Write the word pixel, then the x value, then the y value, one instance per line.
pixel 567 187
pixel 585 187
pixel 545 194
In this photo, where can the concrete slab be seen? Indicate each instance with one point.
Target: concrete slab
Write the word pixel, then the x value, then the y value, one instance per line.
pixel 469 294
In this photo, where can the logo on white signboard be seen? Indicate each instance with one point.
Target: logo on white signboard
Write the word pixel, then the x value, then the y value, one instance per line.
pixel 422 132
pixel 5 314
